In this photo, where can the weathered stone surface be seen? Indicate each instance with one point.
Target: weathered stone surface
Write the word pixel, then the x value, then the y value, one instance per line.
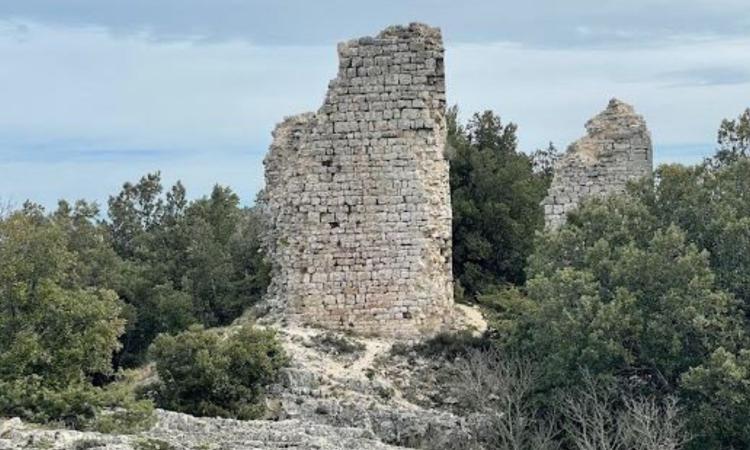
pixel 360 389
pixel 357 194
pixel 362 396
pixel 176 431
pixel 615 150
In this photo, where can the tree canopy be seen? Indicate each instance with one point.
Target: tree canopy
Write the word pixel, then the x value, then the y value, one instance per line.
pixel 58 327
pixel 182 262
pixel 495 194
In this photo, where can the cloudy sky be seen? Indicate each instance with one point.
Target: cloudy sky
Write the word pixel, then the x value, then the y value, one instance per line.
pixel 97 92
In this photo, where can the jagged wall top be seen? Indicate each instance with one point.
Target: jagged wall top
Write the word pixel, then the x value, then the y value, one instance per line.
pixel 615 150
pixel 357 194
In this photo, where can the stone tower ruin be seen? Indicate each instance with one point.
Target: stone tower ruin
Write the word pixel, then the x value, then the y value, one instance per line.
pixel 357 194
pixel 615 150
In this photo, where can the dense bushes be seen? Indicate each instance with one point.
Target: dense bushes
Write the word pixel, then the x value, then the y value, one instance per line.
pixel 495 195
pixel 624 292
pixel 183 262
pixel 76 291
pixel 206 374
pixel 57 329
pixel 712 206
pixel 647 291
pixel 637 299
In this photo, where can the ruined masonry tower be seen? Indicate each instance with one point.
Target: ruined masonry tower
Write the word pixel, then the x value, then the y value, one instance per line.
pixel 357 194
pixel 615 150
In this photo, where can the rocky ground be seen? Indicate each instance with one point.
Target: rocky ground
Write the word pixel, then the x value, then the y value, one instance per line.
pixel 176 431
pixel 339 392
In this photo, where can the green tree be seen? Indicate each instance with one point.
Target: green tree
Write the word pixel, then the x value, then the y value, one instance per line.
pixel 218 272
pixel 619 294
pixel 718 395
pixel 148 231
pixel 56 333
pixel 713 207
pixel 639 299
pixel 96 264
pixel 138 208
pixel 184 262
pixel 205 374
pixel 544 160
pixel 495 196
pixel 733 139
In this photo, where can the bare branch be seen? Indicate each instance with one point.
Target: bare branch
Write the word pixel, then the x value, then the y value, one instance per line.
pixel 499 388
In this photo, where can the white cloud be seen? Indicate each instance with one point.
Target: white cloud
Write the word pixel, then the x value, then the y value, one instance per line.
pixel 132 92
pixel 550 23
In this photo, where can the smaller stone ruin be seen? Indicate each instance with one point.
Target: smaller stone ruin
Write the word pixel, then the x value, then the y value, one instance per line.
pixel 357 194
pixel 615 150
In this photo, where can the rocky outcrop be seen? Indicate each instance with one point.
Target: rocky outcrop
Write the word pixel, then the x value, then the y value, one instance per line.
pixel 360 387
pixel 357 194
pixel 615 150
pixel 338 393
pixel 176 431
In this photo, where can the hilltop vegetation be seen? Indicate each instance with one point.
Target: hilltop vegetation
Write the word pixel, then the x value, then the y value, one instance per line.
pixel 647 292
pixel 83 298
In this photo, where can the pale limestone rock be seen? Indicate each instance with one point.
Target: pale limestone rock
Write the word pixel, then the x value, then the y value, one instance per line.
pixel 176 431
pixel 366 397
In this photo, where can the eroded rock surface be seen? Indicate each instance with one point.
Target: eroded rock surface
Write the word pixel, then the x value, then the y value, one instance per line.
pixel 361 386
pixel 339 393
pixel 615 150
pixel 176 431
pixel 357 194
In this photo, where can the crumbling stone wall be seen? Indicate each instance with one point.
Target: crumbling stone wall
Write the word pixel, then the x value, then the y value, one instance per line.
pixel 616 149
pixel 357 194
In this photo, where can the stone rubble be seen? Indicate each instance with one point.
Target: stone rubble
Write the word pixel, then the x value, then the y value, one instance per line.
pixel 357 195
pixel 615 150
